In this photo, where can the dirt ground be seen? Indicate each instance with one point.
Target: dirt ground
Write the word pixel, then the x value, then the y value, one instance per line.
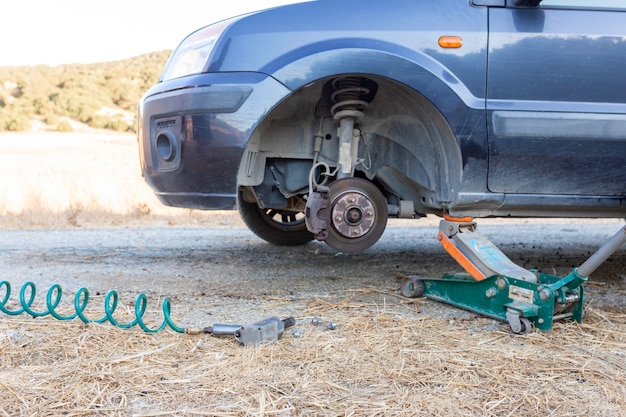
pixel 388 355
pixel 75 211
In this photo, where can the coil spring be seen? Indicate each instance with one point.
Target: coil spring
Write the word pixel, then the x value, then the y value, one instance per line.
pixel 28 293
pixel 348 97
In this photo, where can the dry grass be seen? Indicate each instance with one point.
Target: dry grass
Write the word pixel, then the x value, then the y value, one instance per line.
pixel 86 179
pixel 375 363
pixel 380 361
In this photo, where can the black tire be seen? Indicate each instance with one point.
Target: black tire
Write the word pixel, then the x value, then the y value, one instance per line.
pixel 278 227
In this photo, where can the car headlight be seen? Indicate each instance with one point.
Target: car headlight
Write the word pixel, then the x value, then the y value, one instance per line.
pixel 192 54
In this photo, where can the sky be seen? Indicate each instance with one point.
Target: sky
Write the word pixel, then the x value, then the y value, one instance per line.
pixel 54 32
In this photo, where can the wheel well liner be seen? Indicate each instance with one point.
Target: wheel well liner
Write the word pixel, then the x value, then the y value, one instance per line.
pixel 403 116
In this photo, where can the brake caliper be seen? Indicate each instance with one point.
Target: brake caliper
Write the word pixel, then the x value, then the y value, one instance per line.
pixel 315 212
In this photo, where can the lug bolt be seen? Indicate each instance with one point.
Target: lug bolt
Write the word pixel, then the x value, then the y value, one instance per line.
pixel 338 218
pixel 316 321
pixel 331 326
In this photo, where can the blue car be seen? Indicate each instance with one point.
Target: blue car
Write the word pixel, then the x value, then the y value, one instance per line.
pixel 321 120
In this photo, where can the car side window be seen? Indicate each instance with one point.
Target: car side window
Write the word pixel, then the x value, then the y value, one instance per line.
pixel 585 4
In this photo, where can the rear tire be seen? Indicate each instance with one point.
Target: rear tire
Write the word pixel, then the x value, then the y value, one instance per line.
pixel 278 227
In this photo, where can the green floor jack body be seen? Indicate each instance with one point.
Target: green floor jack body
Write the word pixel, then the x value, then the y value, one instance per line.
pixel 496 287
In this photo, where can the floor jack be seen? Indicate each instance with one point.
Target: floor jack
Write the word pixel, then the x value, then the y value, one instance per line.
pixel 494 286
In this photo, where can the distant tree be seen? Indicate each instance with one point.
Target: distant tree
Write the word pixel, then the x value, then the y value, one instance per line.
pixel 78 91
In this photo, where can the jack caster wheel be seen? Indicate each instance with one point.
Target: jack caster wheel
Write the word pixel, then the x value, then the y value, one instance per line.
pixel 356 215
pixel 524 328
pixel 412 287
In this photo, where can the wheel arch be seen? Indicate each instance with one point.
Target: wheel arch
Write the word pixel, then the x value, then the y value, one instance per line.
pixel 409 118
pixel 419 70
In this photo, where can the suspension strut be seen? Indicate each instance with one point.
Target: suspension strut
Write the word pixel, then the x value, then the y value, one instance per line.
pixel 350 97
pixel 348 109
pixel 350 213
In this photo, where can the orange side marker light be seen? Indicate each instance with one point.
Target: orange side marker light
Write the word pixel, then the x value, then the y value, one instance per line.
pixel 450 42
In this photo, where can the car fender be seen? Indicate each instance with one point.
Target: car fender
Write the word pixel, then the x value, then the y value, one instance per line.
pixel 415 69
pixel 458 107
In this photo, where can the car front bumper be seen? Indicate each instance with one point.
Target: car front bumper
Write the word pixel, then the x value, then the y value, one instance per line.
pixel 193 131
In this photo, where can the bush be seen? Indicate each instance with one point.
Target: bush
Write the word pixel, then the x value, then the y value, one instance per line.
pixel 97 122
pixel 51 120
pixel 118 125
pixel 17 124
pixel 64 126
pixel 13 121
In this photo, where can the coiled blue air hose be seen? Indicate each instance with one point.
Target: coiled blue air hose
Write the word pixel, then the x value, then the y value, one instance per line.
pixel 28 293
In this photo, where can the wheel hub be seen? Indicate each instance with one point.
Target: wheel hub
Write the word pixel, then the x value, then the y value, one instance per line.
pixel 350 214
pixel 353 215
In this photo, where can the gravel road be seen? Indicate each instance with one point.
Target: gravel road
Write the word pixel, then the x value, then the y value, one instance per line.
pixel 222 274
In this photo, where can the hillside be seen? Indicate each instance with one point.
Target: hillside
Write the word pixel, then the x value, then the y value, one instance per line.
pixel 102 95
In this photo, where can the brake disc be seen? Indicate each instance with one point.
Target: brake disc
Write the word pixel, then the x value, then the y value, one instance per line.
pixel 356 216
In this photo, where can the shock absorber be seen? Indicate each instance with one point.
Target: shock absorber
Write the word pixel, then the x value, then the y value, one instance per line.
pixel 349 98
pixel 349 214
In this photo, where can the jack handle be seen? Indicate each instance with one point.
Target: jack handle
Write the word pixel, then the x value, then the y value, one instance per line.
pixel 602 254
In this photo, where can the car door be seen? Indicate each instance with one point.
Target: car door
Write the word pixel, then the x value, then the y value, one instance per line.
pixel 556 98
